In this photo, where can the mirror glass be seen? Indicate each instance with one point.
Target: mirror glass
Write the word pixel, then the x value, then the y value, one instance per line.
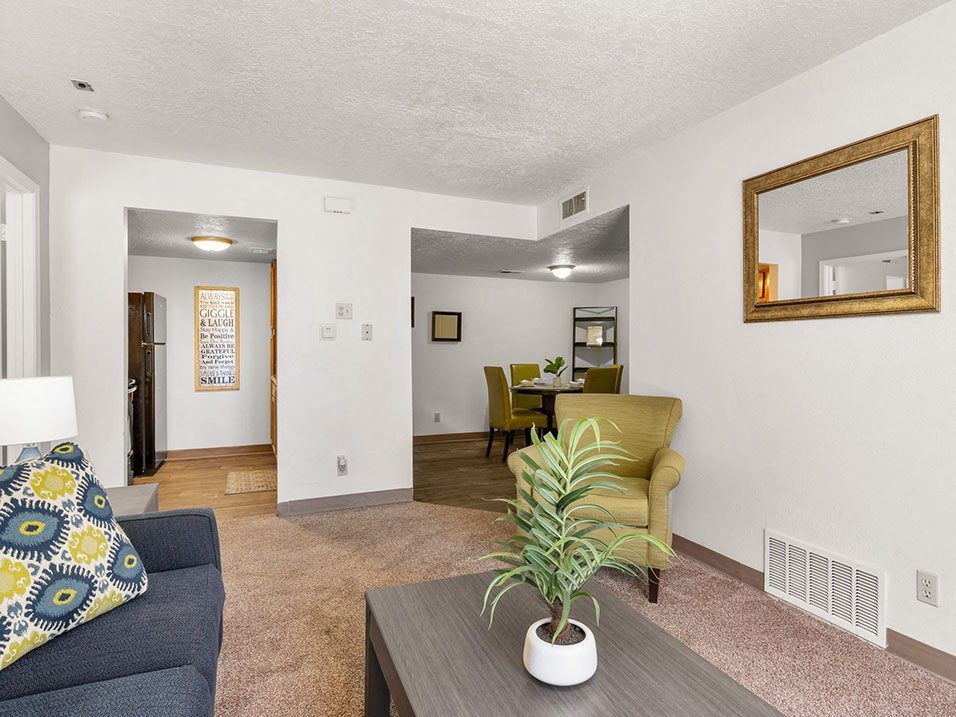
pixel 843 232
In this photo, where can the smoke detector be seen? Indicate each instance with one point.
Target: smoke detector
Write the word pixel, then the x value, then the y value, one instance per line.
pixel 91 115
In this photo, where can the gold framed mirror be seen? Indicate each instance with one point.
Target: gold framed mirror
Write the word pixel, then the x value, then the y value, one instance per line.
pixel 849 232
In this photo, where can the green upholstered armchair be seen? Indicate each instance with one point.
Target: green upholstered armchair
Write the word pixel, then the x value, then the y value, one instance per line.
pixel 603 380
pixel 646 424
pixel 521 372
pixel 502 416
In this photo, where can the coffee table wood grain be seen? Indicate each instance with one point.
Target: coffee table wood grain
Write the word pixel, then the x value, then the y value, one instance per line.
pixel 428 648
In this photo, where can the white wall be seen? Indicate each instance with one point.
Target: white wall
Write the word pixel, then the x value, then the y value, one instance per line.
pixel 343 397
pixel 504 321
pixel 210 419
pixel 836 431
pixel 24 148
pixel 785 250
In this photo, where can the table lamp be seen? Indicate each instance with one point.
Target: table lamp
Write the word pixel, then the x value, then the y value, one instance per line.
pixel 34 410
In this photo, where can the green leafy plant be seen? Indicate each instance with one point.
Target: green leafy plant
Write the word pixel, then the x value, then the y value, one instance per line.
pixel 556 365
pixel 555 550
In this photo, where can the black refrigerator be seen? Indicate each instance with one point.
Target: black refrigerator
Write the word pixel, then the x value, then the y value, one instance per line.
pixel 147 365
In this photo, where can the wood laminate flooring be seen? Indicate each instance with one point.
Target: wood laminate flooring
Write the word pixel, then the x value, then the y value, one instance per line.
pixel 457 473
pixel 454 473
pixel 201 482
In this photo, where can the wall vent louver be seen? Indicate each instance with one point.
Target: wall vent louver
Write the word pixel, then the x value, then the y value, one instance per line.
pixel 574 205
pixel 841 591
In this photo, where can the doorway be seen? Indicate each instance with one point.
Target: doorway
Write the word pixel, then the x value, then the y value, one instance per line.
pixel 206 434
pixel 19 279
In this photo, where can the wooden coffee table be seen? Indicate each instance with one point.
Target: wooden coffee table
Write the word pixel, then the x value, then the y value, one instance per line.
pixel 428 648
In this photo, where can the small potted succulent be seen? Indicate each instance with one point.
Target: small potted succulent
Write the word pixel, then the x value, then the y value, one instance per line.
pixel 555 366
pixel 556 551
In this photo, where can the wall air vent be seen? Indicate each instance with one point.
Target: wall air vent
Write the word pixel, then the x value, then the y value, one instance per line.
pixel 839 590
pixel 574 205
pixel 261 250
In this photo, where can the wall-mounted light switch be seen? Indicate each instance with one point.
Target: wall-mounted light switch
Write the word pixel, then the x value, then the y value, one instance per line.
pixel 366 332
pixel 343 311
pixel 327 332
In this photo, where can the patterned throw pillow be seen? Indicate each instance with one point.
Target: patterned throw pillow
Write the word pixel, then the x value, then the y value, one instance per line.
pixel 63 558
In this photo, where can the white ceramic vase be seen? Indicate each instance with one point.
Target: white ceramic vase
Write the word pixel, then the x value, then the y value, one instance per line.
pixel 560 665
pixel 556 382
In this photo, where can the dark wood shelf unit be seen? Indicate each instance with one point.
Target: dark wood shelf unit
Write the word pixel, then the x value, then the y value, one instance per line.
pixel 592 356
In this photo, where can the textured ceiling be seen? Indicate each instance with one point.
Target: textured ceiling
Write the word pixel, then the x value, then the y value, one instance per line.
pixel 598 248
pixel 510 101
pixel 853 192
pixel 166 234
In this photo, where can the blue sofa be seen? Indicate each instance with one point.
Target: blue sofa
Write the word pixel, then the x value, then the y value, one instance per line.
pixel 155 655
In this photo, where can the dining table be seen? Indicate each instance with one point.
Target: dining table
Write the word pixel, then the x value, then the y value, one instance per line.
pixel 548 392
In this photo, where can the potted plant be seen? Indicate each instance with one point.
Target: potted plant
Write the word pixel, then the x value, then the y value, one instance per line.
pixel 555 366
pixel 556 551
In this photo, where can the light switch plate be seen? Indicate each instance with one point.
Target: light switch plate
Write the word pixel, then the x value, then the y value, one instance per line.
pixel 366 332
pixel 327 332
pixel 343 311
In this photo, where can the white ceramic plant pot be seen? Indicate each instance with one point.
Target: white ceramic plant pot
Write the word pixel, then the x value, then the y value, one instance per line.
pixel 560 665
pixel 556 382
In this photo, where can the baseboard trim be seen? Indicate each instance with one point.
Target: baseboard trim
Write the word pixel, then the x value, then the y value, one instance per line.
pixel 744 573
pixel 933 660
pixel 349 500
pixel 922 655
pixel 448 437
pixel 187 454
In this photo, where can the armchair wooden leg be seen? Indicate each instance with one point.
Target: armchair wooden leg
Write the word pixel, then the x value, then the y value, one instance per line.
pixel 491 438
pixel 509 437
pixel 653 583
pixel 527 436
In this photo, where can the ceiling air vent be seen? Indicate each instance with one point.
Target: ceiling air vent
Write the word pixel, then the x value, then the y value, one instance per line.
pixel 839 590
pixel 510 271
pixel 574 205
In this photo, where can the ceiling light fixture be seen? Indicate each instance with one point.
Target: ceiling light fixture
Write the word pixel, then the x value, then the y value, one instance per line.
pixel 561 271
pixel 90 115
pixel 212 243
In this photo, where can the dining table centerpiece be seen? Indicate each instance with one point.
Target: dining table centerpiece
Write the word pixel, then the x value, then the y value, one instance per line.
pixel 556 367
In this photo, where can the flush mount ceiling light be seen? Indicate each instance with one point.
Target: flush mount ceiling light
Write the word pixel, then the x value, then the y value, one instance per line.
pixel 211 243
pixel 90 115
pixel 561 271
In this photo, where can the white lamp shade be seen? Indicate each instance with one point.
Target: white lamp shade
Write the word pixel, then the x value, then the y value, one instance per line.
pixel 34 410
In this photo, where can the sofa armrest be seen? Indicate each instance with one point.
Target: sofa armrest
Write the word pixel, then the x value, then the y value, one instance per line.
pixel 174 539
pixel 665 475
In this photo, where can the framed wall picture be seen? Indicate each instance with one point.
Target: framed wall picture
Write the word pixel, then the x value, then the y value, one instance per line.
pixel 446 326
pixel 217 338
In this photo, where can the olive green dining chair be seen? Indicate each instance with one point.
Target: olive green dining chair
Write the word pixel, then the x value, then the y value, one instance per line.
pixel 502 416
pixel 521 372
pixel 603 380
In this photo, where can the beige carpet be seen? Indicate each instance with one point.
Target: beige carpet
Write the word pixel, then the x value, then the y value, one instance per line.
pixel 295 620
pixel 252 481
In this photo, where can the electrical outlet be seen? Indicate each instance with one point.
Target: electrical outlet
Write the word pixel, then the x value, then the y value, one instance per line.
pixel 342 465
pixel 366 332
pixel 436 417
pixel 927 588
pixel 343 311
